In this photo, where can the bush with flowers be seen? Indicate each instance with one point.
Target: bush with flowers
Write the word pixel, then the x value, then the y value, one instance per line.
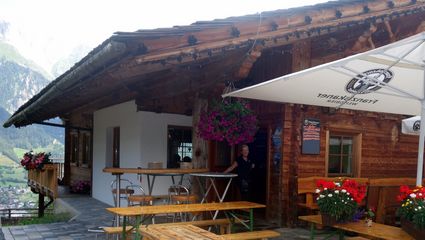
pixel 81 187
pixel 412 205
pixel 231 119
pixel 33 160
pixel 339 199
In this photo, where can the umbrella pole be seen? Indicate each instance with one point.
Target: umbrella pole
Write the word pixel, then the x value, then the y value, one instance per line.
pixel 421 147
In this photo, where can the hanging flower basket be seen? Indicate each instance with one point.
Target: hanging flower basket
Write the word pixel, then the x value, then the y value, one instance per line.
pixel 231 120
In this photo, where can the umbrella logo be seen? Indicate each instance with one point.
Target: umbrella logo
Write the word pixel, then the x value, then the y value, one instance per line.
pixel 417 126
pixel 369 81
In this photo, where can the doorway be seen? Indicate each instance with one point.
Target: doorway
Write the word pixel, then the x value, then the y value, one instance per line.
pixel 258 154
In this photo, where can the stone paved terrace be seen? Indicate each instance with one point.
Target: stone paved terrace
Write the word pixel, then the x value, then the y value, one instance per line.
pixel 92 214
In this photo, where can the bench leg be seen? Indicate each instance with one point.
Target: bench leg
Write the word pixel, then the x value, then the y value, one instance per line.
pixel 138 220
pixel 251 219
pixel 312 230
pixel 124 228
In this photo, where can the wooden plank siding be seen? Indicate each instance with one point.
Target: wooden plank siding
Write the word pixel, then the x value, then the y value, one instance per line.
pixel 385 151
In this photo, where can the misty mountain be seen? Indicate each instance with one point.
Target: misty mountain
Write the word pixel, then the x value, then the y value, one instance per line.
pixel 20 79
pixel 65 63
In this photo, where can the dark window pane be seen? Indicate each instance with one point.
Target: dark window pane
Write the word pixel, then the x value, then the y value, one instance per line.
pixel 347 145
pixel 335 145
pixel 179 145
pixel 334 164
pixel 347 164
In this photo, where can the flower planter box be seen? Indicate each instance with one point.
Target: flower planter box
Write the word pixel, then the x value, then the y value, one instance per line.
pixel 412 230
pixel 44 180
pixel 328 220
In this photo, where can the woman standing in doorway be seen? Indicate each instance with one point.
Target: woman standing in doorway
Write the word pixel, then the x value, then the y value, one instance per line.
pixel 243 166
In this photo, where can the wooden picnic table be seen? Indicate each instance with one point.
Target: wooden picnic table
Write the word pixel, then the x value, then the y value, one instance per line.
pixel 177 232
pixel 377 230
pixel 142 211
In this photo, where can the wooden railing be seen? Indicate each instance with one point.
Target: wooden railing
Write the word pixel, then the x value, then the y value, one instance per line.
pixel 10 213
pixel 44 181
pixel 60 165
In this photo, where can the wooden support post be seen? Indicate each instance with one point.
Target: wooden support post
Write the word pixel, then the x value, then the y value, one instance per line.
pixel 67 160
pixel 200 147
pixel 41 205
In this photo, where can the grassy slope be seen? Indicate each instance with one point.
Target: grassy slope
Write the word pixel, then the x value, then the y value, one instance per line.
pixel 20 152
pixel 11 173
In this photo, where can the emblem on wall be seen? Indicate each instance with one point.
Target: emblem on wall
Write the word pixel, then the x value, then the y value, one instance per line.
pixel 362 85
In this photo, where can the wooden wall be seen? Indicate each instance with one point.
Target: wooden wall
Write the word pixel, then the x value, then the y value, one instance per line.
pixel 385 151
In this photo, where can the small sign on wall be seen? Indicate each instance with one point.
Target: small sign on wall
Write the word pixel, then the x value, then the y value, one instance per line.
pixel 311 136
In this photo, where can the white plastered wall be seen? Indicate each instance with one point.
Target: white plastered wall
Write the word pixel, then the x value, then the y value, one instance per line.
pixel 143 139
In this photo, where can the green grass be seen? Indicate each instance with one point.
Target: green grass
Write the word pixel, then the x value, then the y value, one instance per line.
pixel 11 173
pixel 48 218
pixel 20 152
pixel 52 148
pixel 5 161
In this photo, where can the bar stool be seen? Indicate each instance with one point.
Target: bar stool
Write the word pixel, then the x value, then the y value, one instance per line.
pixel 136 195
pixel 123 192
pixel 180 194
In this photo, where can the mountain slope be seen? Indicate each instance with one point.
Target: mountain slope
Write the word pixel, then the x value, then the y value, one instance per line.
pixel 11 54
pixel 18 83
pixel 30 137
pixel 20 79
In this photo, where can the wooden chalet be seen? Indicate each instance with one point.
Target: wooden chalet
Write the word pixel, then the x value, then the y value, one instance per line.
pixel 123 100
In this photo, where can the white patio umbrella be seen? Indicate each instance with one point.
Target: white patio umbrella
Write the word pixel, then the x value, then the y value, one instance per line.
pixel 388 79
pixel 411 126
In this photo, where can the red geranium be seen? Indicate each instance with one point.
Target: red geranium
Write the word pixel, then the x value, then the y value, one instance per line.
pixel 35 161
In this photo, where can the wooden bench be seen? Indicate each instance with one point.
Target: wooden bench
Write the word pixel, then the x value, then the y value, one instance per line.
pixel 307 187
pixel 264 234
pixel 382 195
pixel 223 223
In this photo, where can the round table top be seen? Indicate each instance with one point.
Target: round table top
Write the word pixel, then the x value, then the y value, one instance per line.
pixel 214 174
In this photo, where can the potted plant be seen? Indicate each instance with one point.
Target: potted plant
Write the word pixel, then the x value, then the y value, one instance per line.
pixel 230 120
pixel 412 210
pixel 338 201
pixel 81 186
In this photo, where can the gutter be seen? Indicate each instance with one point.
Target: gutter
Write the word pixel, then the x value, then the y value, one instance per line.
pixel 72 78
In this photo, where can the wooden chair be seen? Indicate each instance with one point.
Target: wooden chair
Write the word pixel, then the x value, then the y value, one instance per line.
pixel 179 194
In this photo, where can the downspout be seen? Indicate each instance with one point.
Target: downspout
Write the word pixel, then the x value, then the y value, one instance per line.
pixel 73 78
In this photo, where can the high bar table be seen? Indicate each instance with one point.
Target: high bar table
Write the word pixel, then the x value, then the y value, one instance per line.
pixel 212 176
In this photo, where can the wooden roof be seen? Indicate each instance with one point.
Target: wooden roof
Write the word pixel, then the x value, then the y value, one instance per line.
pixel 151 65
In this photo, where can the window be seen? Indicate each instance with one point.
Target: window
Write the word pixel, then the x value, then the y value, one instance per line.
pixel 86 149
pixel 340 155
pixel 113 147
pixel 179 145
pixel 74 148
pixel 343 154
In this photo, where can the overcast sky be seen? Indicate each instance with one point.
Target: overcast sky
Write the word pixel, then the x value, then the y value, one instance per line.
pixel 46 30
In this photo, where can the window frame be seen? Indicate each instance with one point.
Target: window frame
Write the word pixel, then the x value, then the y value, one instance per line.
pixel 356 152
pixel 86 149
pixel 183 128
pixel 74 148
